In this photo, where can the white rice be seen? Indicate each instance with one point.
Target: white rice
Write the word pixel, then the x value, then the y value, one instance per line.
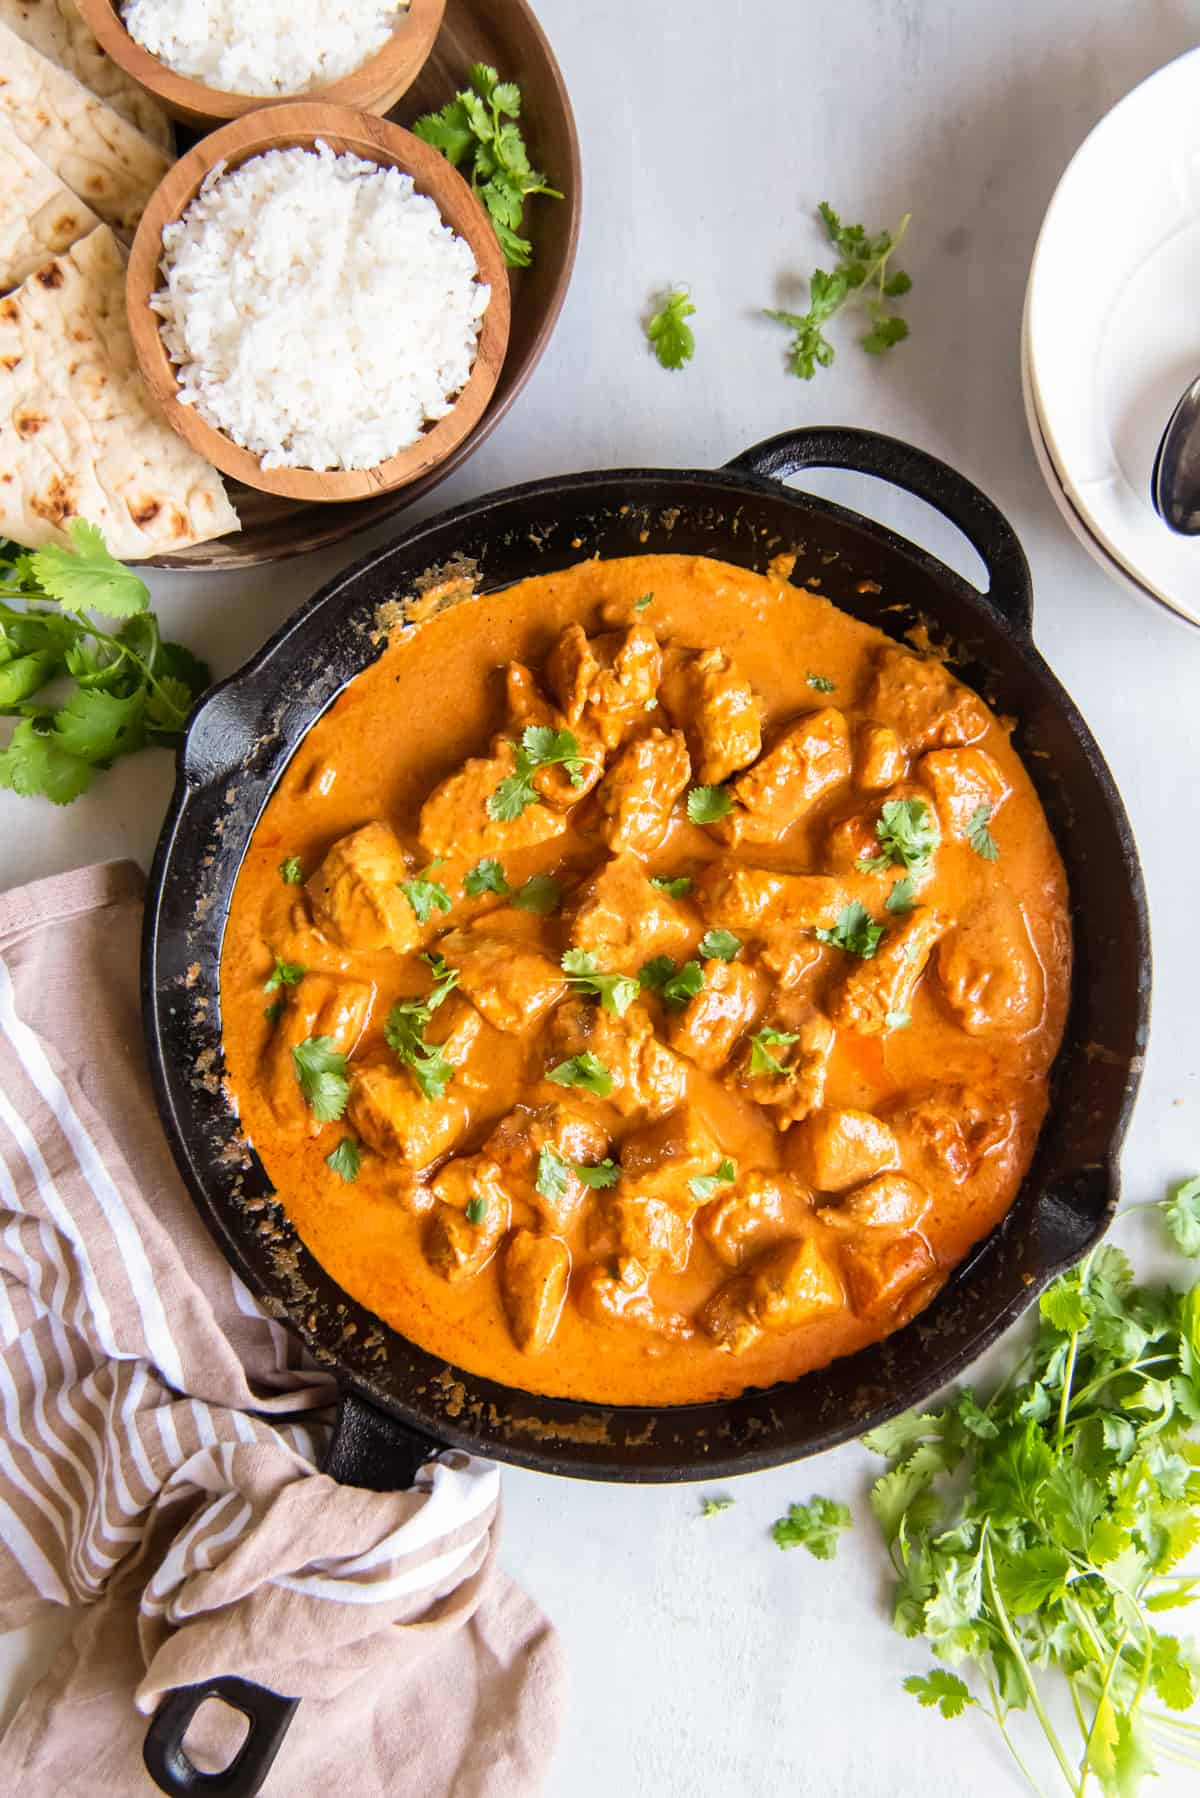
pixel 317 310
pixel 263 46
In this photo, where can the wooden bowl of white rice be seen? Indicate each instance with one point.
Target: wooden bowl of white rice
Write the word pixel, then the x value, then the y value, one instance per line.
pixel 318 303
pixel 228 57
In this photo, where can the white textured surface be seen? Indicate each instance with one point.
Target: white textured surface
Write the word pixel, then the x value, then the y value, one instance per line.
pixel 704 1661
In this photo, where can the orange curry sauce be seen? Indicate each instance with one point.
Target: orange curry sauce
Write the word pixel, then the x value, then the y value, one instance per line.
pixel 773 1206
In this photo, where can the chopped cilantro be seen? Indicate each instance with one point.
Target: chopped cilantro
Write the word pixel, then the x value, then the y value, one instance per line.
pixel 706 805
pixel 586 1071
pixel 902 897
pixel 346 1160
pixel 712 1507
pixel 703 1186
pixel 404 1033
pixel 979 836
pixel 540 747
pixel 285 973
pixel 487 876
pixel 676 886
pixel 477 1210
pixel 679 988
pixel 290 871
pixel 668 332
pixel 719 945
pixel 321 1072
pixel 815 1526
pixel 540 894
pixel 908 834
pixel 616 992
pixel 854 932
pixel 426 896
pixel 821 683
pixel 761 1043
pixel 654 973
pixel 639 605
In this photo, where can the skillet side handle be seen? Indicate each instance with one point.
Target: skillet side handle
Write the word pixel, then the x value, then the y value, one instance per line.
pixel 1010 590
pixel 368 1449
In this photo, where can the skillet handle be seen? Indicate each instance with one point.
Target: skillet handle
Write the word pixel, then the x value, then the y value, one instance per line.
pixel 1010 590
pixel 368 1449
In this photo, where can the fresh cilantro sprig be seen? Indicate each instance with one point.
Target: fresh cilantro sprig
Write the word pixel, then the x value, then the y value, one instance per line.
pixel 541 895
pixel 586 1071
pixel 674 986
pixel 346 1160
pixel 712 1507
pixel 321 1073
pixel 540 747
pixel 815 1526
pixel 487 876
pixel 668 332
pixel 404 1033
pixel 291 872
pixel 854 932
pixel 616 992
pixel 425 895
pixel 554 1173
pixel 676 886
pixel 285 973
pixel 861 275
pixel 476 131
pixel 706 805
pixel 980 837
pixel 1037 1535
pixel 719 945
pixel 131 689
pixel 703 1186
pixel 762 1042
pixel 908 835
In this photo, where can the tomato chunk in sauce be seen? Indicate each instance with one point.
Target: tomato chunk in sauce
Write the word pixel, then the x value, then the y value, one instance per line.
pixel 669 998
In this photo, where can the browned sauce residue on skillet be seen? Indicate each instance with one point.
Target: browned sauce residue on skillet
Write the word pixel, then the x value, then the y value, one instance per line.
pixel 805 1139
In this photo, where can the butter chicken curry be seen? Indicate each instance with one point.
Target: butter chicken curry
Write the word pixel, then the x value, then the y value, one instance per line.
pixel 643 982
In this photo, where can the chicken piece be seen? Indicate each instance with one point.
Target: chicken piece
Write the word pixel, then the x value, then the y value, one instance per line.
pixel 649 1230
pixel 454 821
pixel 707 697
pixel 639 790
pixel 571 667
pixel 963 780
pixel 786 1286
pixel 884 1273
pixel 455 1028
pixel 620 692
pixel 788 957
pixel 555 784
pixel 807 761
pixel 736 897
pixel 316 1006
pixel 879 758
pixel 502 972
pixel 534 1275
pixel 876 995
pixel 355 893
pixel 949 1130
pixel 856 836
pixel 302 942
pixel 623 921
pixel 752 1213
pixel 837 1149
pixel 889 1202
pixel 924 704
pixel 624 1298
pixel 709 1025
pixel 850 840
pixel 661 1159
pixel 646 1076
pixel 989 972
pixel 516 1145
pixel 469 1220
pixel 804 1058
pixel 388 1111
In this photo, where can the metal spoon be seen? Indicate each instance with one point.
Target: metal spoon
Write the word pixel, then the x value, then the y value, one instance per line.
pixel 1175 479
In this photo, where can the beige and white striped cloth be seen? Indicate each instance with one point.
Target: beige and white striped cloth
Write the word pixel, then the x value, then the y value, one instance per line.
pixel 159 1441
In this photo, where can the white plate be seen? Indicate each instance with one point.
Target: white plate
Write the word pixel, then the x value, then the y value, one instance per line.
pixel 1050 474
pixel 1113 315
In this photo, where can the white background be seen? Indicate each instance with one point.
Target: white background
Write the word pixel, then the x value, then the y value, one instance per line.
pixel 704 1661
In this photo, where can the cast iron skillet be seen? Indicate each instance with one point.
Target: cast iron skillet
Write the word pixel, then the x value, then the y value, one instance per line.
pixel 399 1403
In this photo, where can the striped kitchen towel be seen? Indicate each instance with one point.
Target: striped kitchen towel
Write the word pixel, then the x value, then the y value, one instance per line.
pixel 158 1450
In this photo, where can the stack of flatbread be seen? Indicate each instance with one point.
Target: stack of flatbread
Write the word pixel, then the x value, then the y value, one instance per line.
pixel 82 148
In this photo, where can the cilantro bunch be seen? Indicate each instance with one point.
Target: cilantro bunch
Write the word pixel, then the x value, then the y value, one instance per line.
pixel 128 690
pixel 477 130
pixel 1042 1530
pixel 861 276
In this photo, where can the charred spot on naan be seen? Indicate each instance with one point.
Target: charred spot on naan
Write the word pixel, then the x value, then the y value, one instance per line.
pixel 49 276
pixel 28 424
pixel 57 502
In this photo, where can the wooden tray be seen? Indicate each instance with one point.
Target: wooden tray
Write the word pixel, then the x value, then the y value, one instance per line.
pixel 506 34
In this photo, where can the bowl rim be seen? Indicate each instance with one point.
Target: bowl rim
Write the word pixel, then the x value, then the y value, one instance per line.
pixel 301 124
pixel 374 86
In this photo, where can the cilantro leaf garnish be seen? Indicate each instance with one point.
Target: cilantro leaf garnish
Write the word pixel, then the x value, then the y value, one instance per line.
pixel 668 332
pixel 86 578
pixel 815 1526
pixel 854 932
pixel 821 683
pixel 404 1033
pixel 908 834
pixel 345 1160
pixel 600 1175
pixel 719 945
pixel 426 896
pixel 586 1071
pixel 860 276
pixel 678 988
pixel 706 805
pixel 703 1186
pixel 979 836
pixel 553 1175
pixel 540 894
pixel 761 1043
pixel 902 897
pixel 1182 1213
pixel 653 973
pixel 285 973
pixel 540 747
pixel 676 886
pixel 476 1210
pixel 640 605
pixel 941 1688
pixel 476 131
pixel 616 992
pixel 290 871
pixel 487 876
pixel 712 1507
pixel 321 1072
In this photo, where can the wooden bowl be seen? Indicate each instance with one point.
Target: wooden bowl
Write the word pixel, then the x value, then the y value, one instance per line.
pixel 287 127
pixel 373 87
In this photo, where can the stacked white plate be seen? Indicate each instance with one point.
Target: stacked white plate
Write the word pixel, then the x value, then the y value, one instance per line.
pixel 1111 333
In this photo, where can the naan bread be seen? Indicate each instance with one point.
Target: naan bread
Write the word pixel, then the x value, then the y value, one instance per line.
pixel 91 148
pixel 80 434
pixel 39 217
pixel 56 28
